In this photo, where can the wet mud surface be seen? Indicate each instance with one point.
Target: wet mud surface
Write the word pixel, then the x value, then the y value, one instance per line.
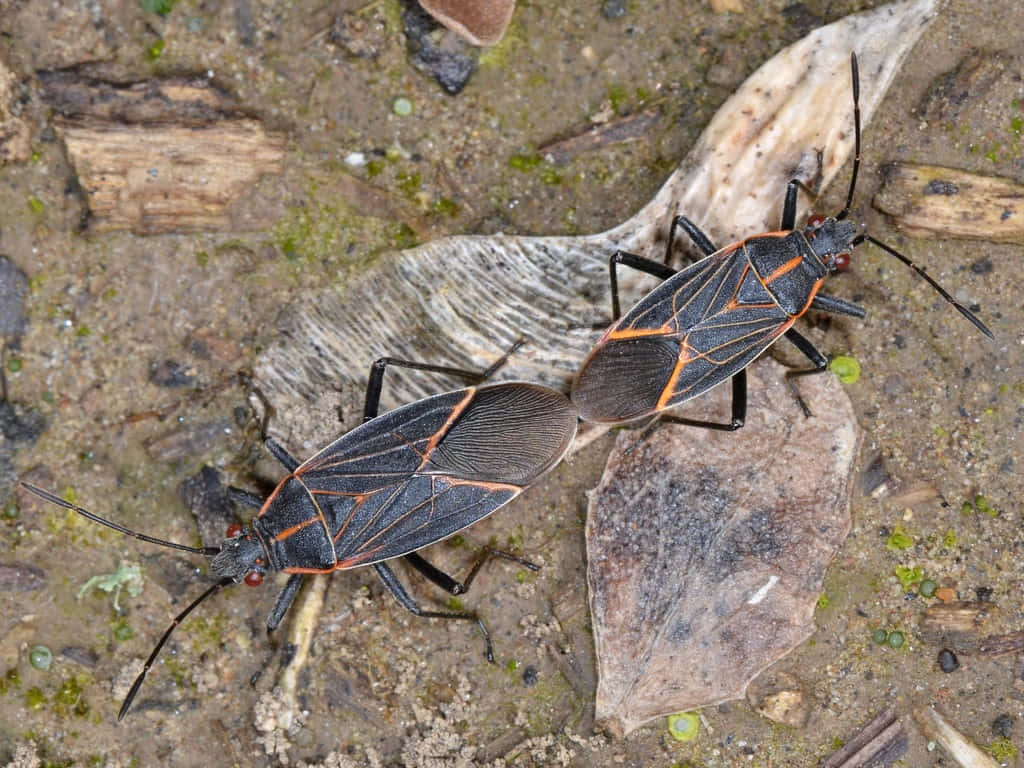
pixel 131 348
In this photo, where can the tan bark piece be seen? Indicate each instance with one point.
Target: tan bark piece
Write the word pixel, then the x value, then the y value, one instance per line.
pixel 160 156
pixel 933 201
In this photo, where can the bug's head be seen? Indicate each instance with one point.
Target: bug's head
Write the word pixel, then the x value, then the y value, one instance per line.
pixel 242 556
pixel 832 240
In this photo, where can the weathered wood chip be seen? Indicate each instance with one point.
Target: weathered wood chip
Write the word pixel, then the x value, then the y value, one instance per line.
pixel 159 156
pixel 881 742
pixel 937 728
pixel 932 201
pixel 957 623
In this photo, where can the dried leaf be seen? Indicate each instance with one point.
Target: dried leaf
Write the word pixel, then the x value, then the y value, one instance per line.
pixel 481 23
pixel 706 550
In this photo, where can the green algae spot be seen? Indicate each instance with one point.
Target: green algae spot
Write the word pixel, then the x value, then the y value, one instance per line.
pixel 121 630
pixel 845 368
pixel 524 163
pixel 445 206
pixel 982 505
pixel 899 539
pixel 551 177
pixel 409 183
pixel 35 699
pixel 69 700
pixel 1003 750
pixel 162 7
pixel 684 726
pixel 908 576
pixel 454 604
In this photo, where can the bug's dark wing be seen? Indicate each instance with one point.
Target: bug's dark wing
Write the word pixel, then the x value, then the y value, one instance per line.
pixel 508 433
pixel 425 471
pixel 716 321
pixel 384 450
pixel 623 379
pixel 691 295
pixel 720 347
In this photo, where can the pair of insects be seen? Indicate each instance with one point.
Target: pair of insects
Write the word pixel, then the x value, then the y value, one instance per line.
pixel 418 474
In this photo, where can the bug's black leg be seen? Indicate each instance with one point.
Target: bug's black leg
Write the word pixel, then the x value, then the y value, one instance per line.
pixel 648 266
pixel 376 381
pixel 447 583
pixel 702 241
pixel 284 601
pixel 816 357
pixel 409 603
pixel 789 204
pixel 278 452
pixel 739 409
pixel 268 409
pixel 837 306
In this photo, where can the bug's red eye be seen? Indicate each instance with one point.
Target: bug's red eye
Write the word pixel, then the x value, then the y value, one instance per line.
pixel 233 530
pixel 254 578
pixel 815 220
pixel 842 262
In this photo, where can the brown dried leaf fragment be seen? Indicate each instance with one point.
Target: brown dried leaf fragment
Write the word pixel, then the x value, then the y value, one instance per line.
pixel 706 550
pixel 932 201
pixel 481 22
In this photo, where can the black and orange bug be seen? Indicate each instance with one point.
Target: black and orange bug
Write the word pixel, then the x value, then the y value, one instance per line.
pixel 706 323
pixel 393 485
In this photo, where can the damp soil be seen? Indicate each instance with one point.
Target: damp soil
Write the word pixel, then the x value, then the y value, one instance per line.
pixel 133 347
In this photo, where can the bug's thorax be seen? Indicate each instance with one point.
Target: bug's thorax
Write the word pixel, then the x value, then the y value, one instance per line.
pixel 241 555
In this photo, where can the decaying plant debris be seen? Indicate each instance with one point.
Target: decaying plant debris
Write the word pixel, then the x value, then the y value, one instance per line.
pixel 932 201
pixel 160 156
pixel 706 549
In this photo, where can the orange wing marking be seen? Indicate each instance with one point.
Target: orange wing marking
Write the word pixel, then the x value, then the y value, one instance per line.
pixel 437 436
pixel 319 512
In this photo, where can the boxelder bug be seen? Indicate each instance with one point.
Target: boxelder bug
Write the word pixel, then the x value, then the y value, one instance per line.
pixel 709 321
pixel 395 484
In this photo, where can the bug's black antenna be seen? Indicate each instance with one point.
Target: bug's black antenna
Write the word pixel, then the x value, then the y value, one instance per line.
pixel 163 639
pixel 920 271
pixel 856 138
pixel 54 499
